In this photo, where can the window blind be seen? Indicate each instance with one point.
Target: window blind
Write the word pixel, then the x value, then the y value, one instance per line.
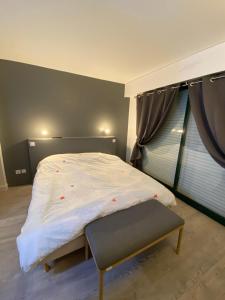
pixel 160 156
pixel 201 178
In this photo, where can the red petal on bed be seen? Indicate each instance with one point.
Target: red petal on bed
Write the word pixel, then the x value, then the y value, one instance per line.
pixel 114 199
pixel 62 198
pixel 155 196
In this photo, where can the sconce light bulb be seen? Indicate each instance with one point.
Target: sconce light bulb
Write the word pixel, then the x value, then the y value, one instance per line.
pixel 44 132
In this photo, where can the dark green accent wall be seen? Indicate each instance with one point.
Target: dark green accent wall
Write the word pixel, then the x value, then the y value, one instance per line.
pixel 34 98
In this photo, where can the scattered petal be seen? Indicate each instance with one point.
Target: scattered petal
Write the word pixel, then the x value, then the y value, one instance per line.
pixel 155 196
pixel 62 198
pixel 114 199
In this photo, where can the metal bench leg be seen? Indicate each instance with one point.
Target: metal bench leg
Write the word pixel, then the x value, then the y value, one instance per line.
pixel 179 240
pixel 86 249
pixel 101 284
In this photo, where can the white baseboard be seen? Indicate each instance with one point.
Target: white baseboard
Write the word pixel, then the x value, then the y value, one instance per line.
pixel 4 187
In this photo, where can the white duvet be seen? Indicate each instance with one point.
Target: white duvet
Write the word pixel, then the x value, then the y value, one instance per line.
pixel 71 190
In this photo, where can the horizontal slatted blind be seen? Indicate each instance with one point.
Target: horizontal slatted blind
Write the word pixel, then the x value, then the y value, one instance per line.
pixel 201 178
pixel 160 156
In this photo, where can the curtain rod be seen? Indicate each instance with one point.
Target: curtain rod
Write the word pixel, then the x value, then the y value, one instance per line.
pixel 212 79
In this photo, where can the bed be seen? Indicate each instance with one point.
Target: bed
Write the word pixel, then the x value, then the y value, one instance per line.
pixel 72 189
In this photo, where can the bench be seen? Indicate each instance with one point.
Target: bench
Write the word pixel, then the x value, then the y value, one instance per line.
pixel 115 238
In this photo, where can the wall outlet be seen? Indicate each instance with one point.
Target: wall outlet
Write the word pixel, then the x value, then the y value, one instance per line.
pixel 19 172
pixel 32 144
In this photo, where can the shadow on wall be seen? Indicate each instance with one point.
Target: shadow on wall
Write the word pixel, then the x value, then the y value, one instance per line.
pixel 16 157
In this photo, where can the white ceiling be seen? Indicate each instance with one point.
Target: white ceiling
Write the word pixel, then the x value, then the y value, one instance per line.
pixel 116 40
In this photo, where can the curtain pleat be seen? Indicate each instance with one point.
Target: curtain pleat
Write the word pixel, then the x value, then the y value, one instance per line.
pixel 152 109
pixel 207 101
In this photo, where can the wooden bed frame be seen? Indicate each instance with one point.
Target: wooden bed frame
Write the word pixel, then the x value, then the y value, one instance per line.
pixel 70 247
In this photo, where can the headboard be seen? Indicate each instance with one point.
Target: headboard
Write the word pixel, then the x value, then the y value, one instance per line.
pixel 39 148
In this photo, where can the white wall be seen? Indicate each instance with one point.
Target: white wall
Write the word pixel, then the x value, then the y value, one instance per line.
pixel 3 183
pixel 205 62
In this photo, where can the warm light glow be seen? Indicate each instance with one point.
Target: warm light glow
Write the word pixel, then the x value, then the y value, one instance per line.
pixel 180 130
pixel 107 131
pixel 44 132
pixel 104 129
pixel 177 130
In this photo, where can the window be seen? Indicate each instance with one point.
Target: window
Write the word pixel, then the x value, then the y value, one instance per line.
pixel 160 156
pixel 201 178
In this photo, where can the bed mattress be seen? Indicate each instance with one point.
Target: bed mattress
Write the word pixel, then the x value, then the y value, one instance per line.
pixel 71 190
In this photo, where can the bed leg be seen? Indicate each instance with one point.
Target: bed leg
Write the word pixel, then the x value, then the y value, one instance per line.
pixel 47 267
pixel 179 240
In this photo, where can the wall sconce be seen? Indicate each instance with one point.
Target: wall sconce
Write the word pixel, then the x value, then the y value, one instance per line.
pixel 104 130
pixel 107 131
pixel 44 132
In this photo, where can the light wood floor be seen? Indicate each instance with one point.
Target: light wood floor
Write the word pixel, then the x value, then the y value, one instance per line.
pixel 198 273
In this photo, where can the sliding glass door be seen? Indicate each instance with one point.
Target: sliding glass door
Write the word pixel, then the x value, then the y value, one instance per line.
pixel 160 156
pixel 188 168
pixel 201 178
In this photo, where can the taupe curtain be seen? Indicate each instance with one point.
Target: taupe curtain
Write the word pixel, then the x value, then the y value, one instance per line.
pixel 207 99
pixel 152 109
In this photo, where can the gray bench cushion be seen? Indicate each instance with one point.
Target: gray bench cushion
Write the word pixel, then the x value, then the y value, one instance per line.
pixel 120 234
